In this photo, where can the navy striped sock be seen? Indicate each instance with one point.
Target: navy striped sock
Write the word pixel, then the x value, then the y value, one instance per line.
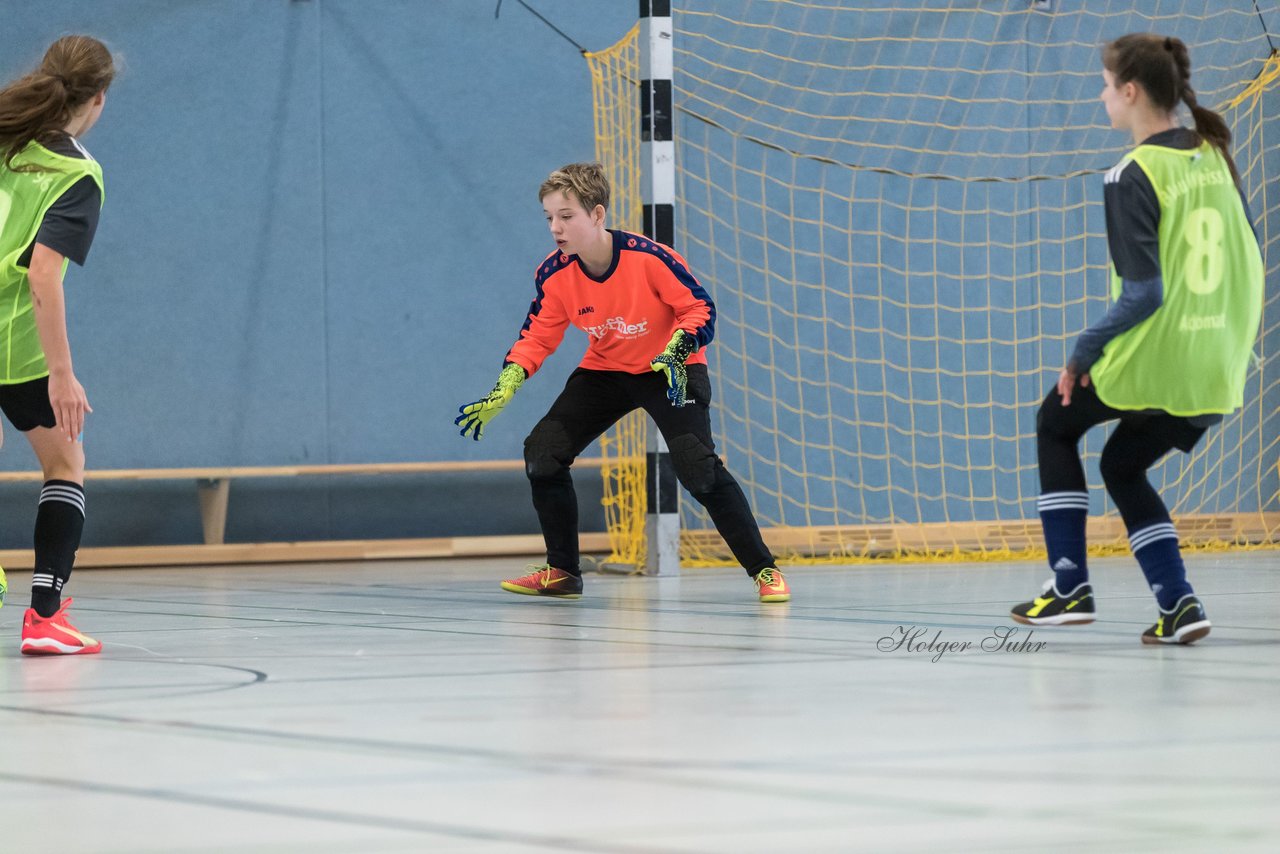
pixel 1063 516
pixel 1156 548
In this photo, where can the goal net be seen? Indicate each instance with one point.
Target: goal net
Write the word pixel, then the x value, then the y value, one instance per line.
pixel 897 207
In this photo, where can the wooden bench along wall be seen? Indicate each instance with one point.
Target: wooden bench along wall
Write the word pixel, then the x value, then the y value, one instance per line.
pixel 213 488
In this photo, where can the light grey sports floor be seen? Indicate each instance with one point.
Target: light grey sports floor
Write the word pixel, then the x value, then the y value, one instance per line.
pixel 414 706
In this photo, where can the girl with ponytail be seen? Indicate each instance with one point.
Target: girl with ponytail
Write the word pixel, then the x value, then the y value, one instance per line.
pixel 1161 67
pixel 1169 359
pixel 50 194
pixel 71 82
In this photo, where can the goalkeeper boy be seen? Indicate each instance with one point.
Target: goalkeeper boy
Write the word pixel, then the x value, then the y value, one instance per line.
pixel 648 322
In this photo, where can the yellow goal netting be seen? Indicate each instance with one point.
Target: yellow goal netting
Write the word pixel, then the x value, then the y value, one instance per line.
pixel 897 208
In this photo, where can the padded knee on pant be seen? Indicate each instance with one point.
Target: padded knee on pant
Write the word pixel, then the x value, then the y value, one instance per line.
pixel 694 462
pixel 547 450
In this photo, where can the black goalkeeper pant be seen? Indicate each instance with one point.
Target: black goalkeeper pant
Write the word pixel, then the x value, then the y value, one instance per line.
pixel 592 402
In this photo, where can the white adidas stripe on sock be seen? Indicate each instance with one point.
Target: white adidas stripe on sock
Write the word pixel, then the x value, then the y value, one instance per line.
pixel 1063 501
pixel 1151 534
pixel 66 494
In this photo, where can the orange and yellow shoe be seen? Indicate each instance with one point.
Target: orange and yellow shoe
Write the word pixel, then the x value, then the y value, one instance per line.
pixel 772 585
pixel 546 581
pixel 55 635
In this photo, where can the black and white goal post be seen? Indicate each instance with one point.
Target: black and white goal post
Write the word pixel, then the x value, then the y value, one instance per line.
pixel 658 194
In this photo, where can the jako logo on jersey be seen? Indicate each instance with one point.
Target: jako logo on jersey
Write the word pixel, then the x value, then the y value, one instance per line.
pixel 586 309
pixel 620 326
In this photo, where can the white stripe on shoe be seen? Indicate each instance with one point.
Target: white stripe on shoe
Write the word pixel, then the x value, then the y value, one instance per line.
pixel 48 645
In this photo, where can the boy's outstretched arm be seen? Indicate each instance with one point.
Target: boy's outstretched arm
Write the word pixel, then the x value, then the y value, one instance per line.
pixel 474 416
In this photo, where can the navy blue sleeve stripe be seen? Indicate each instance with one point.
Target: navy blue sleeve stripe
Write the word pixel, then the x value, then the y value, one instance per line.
pixel 707 331
pixel 554 262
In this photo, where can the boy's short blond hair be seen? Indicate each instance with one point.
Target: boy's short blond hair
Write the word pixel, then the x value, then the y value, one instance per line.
pixel 586 181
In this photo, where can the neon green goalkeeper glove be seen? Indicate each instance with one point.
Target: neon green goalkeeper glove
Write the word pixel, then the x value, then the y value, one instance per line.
pixel 476 415
pixel 671 362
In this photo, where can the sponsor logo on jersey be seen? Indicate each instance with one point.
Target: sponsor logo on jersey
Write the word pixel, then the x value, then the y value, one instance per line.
pixel 620 327
pixel 1196 322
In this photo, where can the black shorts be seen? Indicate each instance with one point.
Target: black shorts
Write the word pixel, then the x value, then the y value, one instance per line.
pixel 27 406
pixel 1148 428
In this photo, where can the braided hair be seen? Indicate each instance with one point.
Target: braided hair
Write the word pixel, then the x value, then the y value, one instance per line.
pixel 1161 65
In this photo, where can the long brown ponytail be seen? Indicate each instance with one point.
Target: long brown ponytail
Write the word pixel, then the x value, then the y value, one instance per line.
pixel 1162 67
pixel 35 107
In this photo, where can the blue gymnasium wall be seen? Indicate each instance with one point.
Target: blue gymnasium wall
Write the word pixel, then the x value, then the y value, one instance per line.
pixel 320 229
pixel 321 222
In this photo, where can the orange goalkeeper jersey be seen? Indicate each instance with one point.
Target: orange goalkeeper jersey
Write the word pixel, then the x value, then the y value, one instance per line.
pixel 629 313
